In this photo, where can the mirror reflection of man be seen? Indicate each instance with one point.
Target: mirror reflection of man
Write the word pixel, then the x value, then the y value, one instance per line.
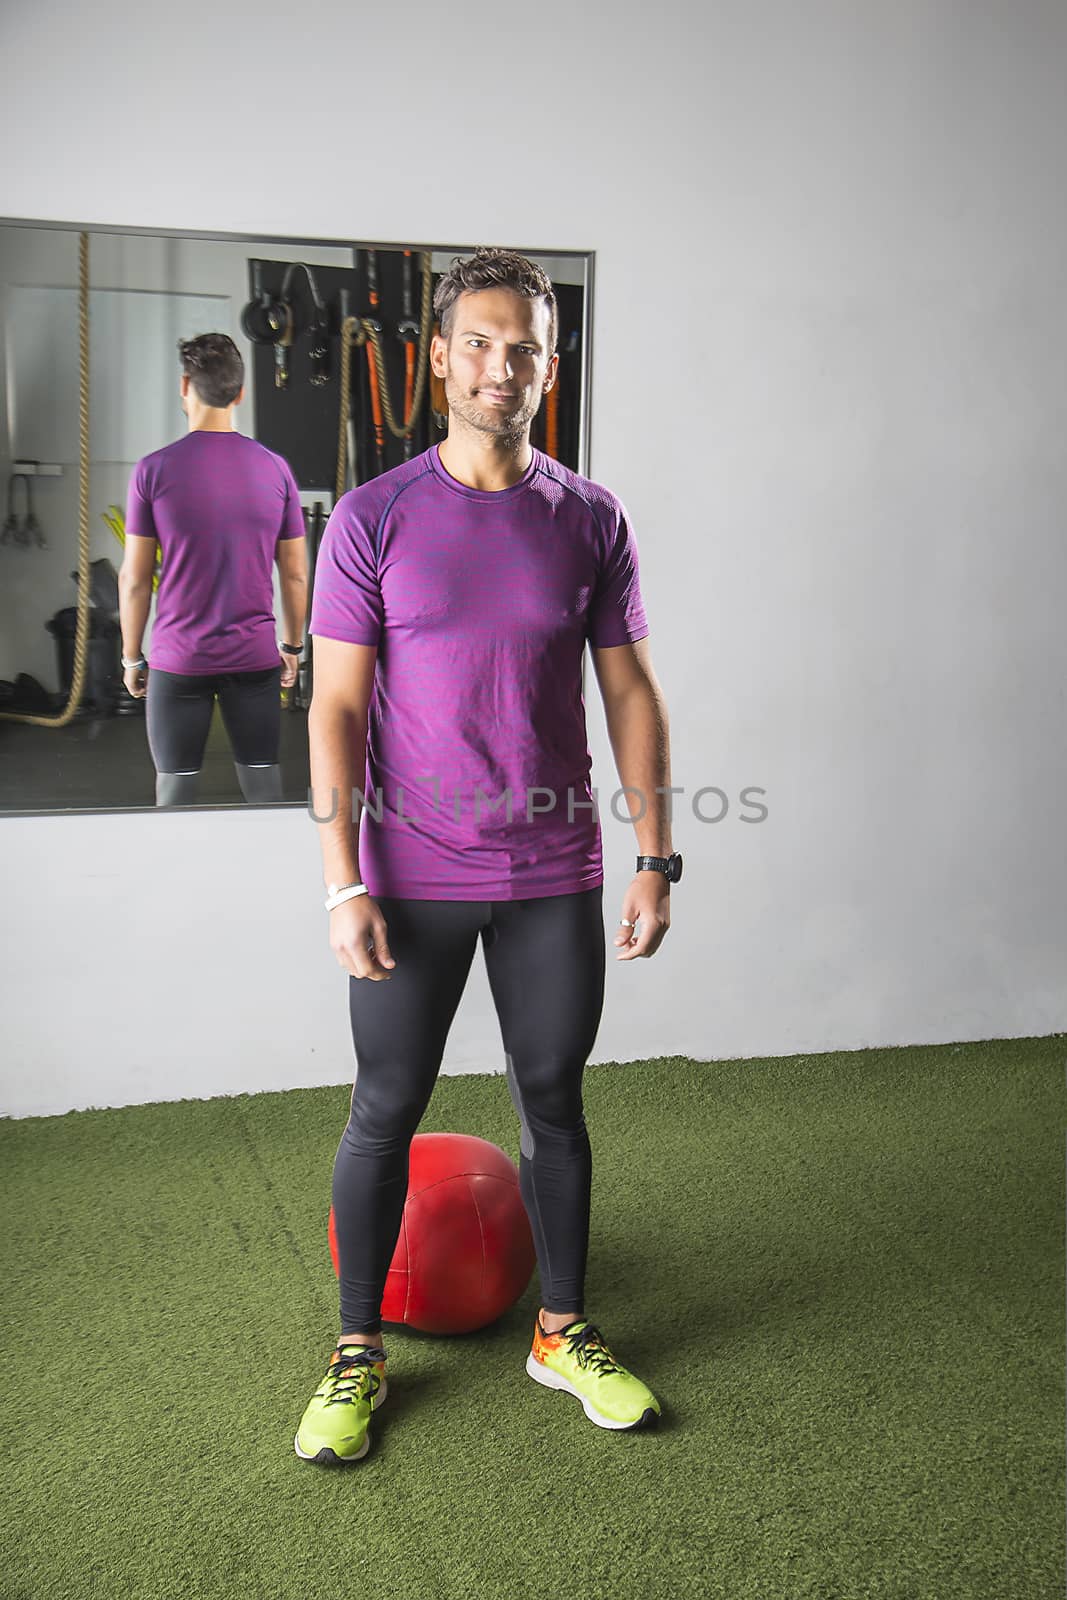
pixel 223 509
pixel 454 596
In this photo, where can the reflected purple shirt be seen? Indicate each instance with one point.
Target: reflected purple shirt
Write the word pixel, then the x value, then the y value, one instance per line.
pixel 218 503
pixel 480 604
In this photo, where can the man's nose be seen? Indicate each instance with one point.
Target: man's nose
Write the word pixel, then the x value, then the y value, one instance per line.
pixel 499 365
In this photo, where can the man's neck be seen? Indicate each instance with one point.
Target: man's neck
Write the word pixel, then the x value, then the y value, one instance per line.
pixel 483 461
pixel 211 419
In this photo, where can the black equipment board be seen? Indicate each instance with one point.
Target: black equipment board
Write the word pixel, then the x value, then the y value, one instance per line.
pixel 300 421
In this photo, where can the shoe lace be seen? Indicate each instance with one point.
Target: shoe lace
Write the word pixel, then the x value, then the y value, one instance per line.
pixel 352 1376
pixel 587 1343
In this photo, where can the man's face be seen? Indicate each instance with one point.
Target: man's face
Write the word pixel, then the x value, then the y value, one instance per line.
pixel 496 364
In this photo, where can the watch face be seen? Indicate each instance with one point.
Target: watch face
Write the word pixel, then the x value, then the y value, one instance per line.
pixel 675 872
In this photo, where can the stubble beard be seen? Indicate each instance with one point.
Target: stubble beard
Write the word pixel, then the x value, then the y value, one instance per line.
pixel 511 427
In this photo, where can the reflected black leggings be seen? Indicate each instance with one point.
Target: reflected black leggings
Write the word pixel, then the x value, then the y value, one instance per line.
pixel 545 962
pixel 179 710
pixel 180 707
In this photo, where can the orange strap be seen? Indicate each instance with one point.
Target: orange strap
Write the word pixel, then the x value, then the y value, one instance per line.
pixel 375 401
pixel 409 379
pixel 552 422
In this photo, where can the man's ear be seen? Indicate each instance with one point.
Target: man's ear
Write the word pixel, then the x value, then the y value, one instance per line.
pixel 438 355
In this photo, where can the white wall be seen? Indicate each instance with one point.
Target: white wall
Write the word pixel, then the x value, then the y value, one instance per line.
pixel 829 351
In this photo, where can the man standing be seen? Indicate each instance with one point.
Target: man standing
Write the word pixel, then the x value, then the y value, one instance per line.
pixel 453 599
pixel 224 509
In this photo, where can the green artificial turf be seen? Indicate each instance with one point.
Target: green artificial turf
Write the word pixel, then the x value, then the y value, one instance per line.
pixel 842 1274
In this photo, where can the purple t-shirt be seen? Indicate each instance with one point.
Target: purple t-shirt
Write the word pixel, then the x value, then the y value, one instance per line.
pixel 218 503
pixel 480 604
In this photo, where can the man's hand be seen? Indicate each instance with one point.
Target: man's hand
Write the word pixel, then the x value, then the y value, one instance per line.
pixel 648 902
pixel 358 939
pixel 290 667
pixel 136 681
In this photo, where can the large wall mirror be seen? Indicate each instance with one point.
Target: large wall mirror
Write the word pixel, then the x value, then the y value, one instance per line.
pixel 124 298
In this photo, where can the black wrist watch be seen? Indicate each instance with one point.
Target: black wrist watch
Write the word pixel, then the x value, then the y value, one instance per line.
pixel 291 649
pixel 670 866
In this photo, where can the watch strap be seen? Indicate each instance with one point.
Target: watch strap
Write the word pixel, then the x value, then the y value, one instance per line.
pixel 670 866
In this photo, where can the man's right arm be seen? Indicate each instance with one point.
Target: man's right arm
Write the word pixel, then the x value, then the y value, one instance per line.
pixel 292 559
pixel 337 746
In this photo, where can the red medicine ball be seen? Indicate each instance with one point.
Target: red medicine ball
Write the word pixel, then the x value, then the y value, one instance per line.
pixel 465 1252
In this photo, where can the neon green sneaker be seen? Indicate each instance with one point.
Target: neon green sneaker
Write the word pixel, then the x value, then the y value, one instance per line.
pixel 334 1426
pixel 578 1361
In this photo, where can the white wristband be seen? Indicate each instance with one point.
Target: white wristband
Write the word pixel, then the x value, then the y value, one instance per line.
pixel 337 894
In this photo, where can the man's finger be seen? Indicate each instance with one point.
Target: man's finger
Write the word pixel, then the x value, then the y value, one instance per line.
pixel 366 966
pixel 635 942
pixel 378 939
pixel 380 958
pixel 360 961
pixel 645 943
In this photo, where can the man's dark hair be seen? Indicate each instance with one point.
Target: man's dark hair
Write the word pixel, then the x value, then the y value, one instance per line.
pixel 215 367
pixel 494 269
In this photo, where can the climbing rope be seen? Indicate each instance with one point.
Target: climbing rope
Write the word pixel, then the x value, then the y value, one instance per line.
pixel 426 328
pixel 360 331
pixel 398 430
pixel 81 636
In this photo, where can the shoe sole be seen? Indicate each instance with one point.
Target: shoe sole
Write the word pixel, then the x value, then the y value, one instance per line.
pixel 552 1380
pixel 328 1457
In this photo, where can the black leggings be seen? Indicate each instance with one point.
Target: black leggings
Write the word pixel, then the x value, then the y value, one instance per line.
pixel 545 962
pixel 180 706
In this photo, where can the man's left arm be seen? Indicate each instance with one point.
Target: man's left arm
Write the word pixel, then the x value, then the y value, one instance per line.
pixel 639 732
pixel 135 600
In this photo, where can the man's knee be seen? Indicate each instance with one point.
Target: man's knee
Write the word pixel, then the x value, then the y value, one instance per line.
pixel 260 785
pixel 177 788
pixel 548 1100
pixel 382 1127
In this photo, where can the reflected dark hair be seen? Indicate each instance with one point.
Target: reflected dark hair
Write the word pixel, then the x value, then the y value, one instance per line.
pixel 215 367
pixel 494 269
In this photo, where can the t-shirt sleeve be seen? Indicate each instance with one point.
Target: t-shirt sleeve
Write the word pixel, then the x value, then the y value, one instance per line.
pixel 617 612
pixel 140 523
pixel 293 516
pixel 347 599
